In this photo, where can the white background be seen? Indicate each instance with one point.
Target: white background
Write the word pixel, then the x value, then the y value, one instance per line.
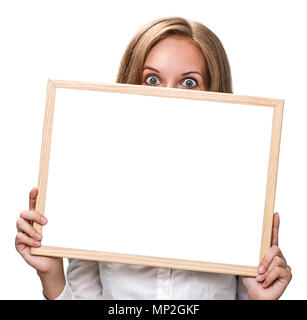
pixel 84 40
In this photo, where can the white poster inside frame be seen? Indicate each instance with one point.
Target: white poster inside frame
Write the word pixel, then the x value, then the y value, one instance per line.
pixel 165 177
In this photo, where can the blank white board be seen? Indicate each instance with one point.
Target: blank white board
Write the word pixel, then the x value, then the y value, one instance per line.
pixel 156 176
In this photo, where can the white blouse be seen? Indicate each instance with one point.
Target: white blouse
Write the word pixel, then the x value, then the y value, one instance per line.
pixel 107 281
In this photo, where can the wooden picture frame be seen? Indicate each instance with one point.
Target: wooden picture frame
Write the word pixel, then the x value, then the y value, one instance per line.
pixel 276 104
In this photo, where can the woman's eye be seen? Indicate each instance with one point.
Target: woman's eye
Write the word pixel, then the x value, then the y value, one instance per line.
pixel 152 80
pixel 189 83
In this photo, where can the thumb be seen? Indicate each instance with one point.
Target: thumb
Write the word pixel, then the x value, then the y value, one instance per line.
pixel 275 230
pixel 32 198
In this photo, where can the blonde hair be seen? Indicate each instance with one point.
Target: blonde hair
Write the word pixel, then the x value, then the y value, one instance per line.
pixel 218 69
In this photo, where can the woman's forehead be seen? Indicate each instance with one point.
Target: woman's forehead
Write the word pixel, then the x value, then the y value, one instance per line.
pixel 175 52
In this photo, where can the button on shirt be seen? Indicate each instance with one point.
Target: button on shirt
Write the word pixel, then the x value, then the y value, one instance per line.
pixel 106 281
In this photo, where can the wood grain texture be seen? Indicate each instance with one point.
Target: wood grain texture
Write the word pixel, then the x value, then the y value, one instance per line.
pixel 271 179
pixel 45 153
pixel 167 92
pixel 146 261
pixel 277 104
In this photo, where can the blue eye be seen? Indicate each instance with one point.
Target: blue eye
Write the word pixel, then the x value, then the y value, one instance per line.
pixel 152 80
pixel 189 83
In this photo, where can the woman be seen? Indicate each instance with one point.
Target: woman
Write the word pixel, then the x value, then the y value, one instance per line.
pixel 175 53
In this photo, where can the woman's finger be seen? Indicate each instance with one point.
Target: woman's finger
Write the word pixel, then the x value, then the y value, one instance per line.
pixel 22 238
pixel 267 259
pixel 25 227
pixel 276 262
pixel 275 229
pixel 32 198
pixel 33 216
pixel 276 273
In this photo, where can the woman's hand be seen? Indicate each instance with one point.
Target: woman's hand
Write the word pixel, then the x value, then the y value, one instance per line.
pixel 49 269
pixel 274 273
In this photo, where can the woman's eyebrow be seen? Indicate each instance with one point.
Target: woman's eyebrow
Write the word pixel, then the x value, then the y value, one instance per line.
pixel 151 68
pixel 184 74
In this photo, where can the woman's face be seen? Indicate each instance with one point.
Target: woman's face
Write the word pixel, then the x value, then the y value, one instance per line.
pixel 175 62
